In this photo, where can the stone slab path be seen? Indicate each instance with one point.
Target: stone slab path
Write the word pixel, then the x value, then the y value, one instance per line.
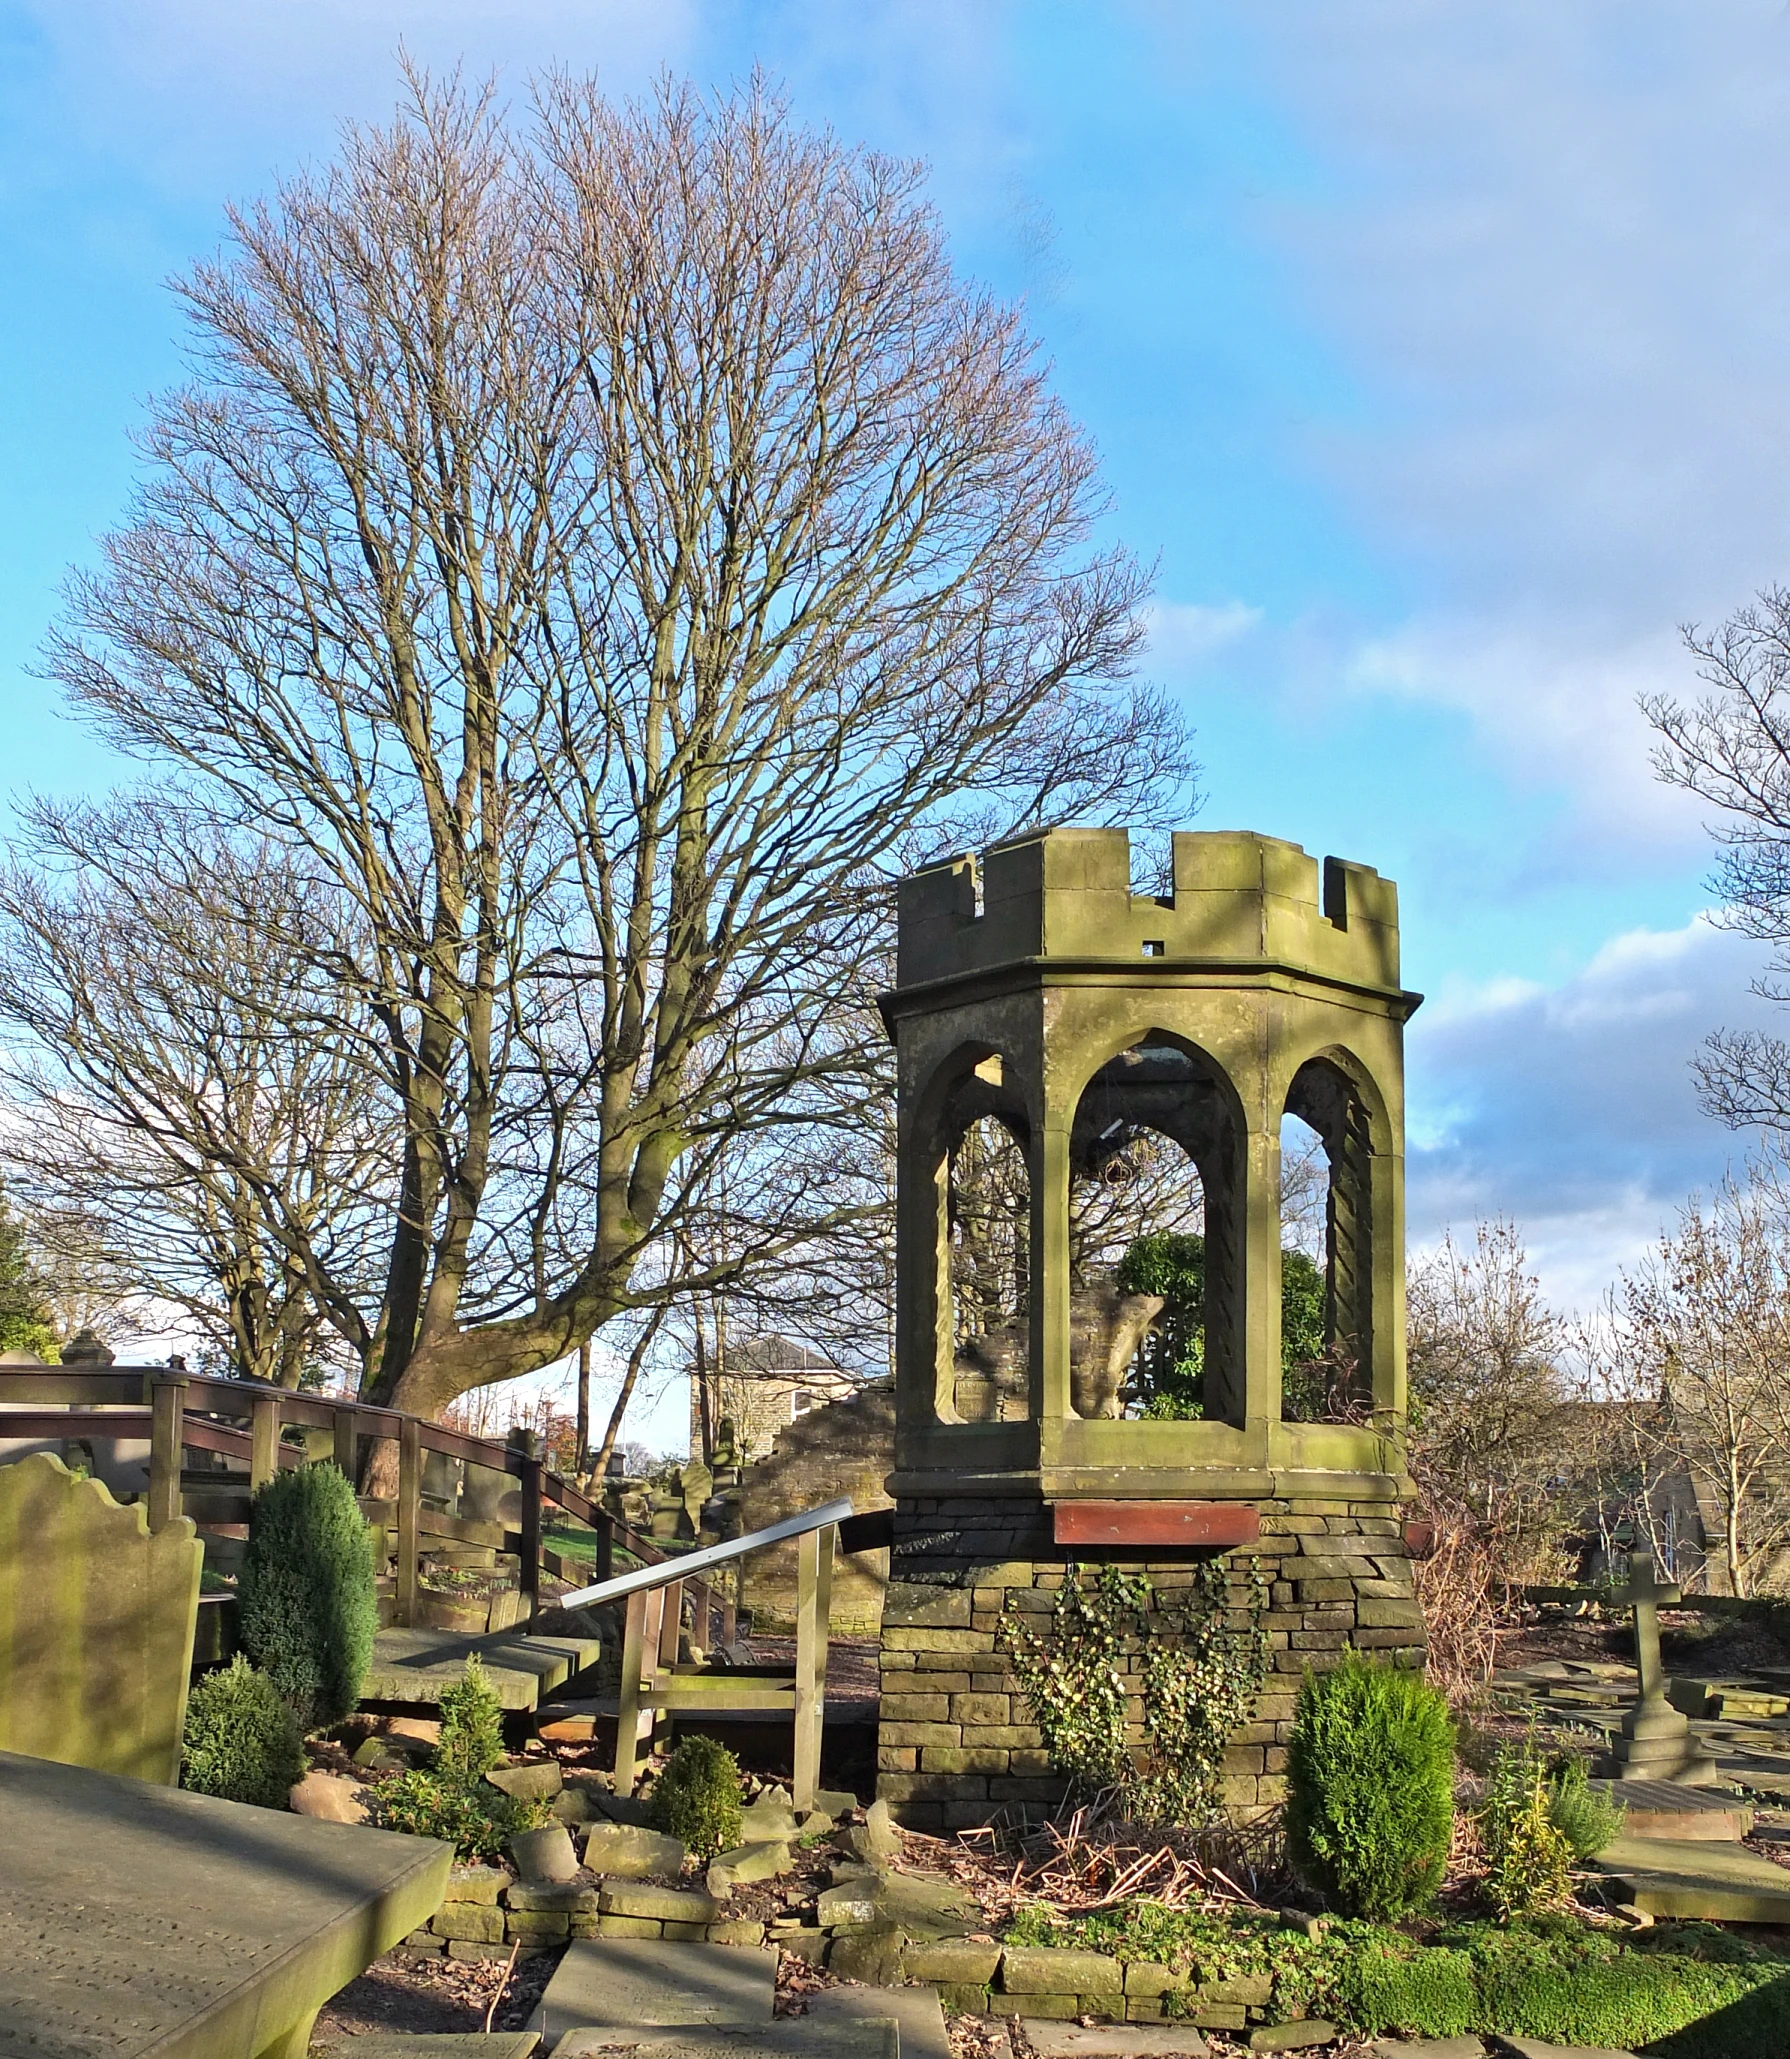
pixel 413 1666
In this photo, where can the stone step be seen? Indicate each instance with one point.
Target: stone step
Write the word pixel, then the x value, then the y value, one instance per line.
pixel 916 2012
pixel 411 1667
pixel 636 1984
pixel 790 2037
pixel 1688 1878
pixel 457 2044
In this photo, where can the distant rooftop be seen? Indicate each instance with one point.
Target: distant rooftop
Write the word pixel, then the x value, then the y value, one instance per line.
pixel 775 1355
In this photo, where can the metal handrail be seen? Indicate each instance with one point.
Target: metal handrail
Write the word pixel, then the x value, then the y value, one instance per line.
pixel 709 1556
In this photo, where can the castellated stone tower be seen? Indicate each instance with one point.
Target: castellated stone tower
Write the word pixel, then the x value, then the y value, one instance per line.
pixel 1054 1033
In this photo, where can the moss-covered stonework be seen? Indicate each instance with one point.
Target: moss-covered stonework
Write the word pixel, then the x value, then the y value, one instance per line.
pixel 96 1624
pixel 956 1741
pixel 1037 990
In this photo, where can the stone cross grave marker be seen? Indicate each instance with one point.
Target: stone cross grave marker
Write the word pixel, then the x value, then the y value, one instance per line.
pixel 96 1624
pixel 1655 1741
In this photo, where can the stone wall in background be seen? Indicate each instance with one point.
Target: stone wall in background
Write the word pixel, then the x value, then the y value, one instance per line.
pixel 956 1743
pixel 846 1448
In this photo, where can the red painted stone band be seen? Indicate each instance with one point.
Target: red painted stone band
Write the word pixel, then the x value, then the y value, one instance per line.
pixel 1156 1522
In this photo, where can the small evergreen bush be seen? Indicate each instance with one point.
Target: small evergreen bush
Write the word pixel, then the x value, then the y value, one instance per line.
pixel 1370 1811
pixel 471 1741
pixel 477 1819
pixel 306 1609
pixel 697 1797
pixel 1588 1821
pixel 1528 1858
pixel 241 1740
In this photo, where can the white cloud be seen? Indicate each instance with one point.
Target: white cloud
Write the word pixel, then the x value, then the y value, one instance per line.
pixel 1571 1109
pixel 1183 634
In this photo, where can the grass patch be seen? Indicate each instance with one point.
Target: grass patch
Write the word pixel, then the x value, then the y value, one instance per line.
pixel 1682 1991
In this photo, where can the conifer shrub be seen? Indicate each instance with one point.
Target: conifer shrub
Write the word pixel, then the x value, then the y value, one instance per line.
pixel 697 1797
pixel 1587 1820
pixel 1370 1810
pixel 306 1608
pixel 241 1740
pixel 471 1741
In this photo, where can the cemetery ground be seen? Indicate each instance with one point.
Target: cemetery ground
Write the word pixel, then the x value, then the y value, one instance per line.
pixel 1177 1942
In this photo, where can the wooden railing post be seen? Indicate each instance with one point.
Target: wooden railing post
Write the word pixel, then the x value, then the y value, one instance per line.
pixel 410 1505
pixel 604 1566
pixel 814 1602
pixel 167 1402
pixel 264 1440
pixel 528 1451
pixel 347 1432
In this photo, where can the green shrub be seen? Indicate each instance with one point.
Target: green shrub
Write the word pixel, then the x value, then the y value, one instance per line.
pixel 241 1740
pixel 1370 1811
pixel 476 1818
pixel 1569 1985
pixel 1528 1858
pixel 1423 1991
pixel 306 1610
pixel 697 1797
pixel 1587 1820
pixel 471 1726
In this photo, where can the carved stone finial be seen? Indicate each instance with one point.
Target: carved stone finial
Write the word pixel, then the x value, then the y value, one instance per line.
pixel 87 1348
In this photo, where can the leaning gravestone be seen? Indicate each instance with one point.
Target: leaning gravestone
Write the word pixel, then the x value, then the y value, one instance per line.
pixel 96 1624
pixel 1655 1741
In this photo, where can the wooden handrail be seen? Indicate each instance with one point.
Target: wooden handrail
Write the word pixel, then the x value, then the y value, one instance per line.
pixel 174 1409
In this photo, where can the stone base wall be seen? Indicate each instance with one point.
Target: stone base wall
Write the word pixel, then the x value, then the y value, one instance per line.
pixel 956 1744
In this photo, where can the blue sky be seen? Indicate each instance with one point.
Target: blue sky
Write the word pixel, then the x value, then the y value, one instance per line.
pixel 1437 356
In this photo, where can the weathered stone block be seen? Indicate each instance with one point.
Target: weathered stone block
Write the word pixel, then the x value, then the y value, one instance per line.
pixel 952 1641
pixel 899 1734
pixel 467 1921
pixel 1046 1969
pixel 537 1925
pixel 985 1709
pixel 628 1926
pixel 947 1758
pixel 686 1933
pixel 908 1605
pixel 629 1852
pixel 567 1897
pixel 736 1930
pixel 475 1884
pixel 1390 1615
pixel 953 1961
pixel 1143 1977
pixel 538 1780
pixel 915 1708
pixel 897 1758
pixel 662 1904
pixel 870 1956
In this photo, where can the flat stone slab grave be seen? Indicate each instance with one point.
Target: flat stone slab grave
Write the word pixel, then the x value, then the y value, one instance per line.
pixel 790 2037
pixel 142 1919
pixel 413 1666
pixel 1667 1808
pixel 1686 1878
pixel 918 2017
pixel 1116 2040
pixel 637 1983
pixel 470 2044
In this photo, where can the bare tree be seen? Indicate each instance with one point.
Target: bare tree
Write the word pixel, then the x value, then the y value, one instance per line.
pixel 1703 1330
pixel 1732 748
pixel 604 553
pixel 187 1130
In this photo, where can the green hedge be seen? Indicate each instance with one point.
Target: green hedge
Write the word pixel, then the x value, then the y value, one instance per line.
pixel 1683 1991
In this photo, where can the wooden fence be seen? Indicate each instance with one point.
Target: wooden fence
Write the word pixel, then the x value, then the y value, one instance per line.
pixel 243 1420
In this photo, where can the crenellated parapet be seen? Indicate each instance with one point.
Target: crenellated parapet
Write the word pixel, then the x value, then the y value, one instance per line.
pixel 1238 899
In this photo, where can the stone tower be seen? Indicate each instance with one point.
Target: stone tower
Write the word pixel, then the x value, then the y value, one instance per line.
pixel 1036 992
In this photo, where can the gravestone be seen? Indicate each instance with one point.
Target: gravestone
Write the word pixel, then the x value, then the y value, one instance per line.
pixel 96 1624
pixel 1655 1741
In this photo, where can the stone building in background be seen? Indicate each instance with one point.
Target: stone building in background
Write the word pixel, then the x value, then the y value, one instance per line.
pixel 766 1384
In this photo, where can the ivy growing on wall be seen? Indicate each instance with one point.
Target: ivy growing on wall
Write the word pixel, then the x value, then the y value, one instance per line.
pixel 1196 1671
